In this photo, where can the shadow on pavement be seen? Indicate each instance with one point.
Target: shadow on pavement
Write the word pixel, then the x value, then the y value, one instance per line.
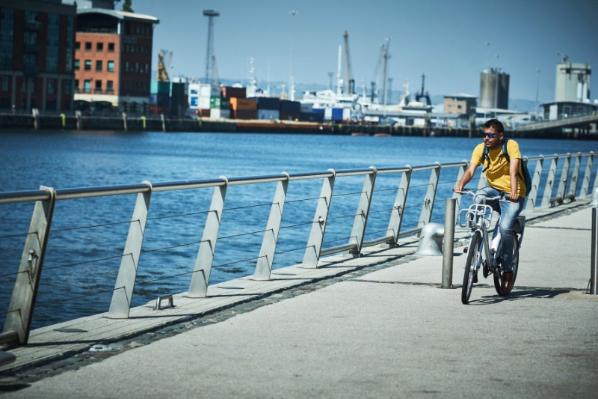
pixel 523 293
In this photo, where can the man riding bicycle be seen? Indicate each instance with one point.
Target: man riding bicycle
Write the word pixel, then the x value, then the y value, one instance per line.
pixel 504 175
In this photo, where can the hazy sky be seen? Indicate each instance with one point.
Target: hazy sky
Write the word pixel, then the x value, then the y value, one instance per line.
pixel 449 41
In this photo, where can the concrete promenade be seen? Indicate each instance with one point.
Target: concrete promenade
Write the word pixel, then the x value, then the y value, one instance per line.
pixel 384 334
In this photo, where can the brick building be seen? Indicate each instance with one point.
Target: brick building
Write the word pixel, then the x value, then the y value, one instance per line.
pixel 113 58
pixel 36 55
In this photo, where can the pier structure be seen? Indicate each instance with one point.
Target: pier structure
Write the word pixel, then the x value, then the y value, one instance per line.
pixel 561 184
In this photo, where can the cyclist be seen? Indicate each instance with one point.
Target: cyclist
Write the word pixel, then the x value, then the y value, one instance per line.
pixel 505 179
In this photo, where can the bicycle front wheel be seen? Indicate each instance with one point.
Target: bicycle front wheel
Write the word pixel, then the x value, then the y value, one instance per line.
pixel 474 258
pixel 502 288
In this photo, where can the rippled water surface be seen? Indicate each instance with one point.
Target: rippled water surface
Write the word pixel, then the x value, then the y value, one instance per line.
pixel 88 235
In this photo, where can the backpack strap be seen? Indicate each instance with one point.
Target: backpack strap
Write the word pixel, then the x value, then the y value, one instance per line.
pixel 486 155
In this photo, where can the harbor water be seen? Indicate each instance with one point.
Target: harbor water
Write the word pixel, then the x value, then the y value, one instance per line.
pixel 88 235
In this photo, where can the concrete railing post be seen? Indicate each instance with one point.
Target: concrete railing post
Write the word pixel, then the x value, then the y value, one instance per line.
pixel 549 183
pixel 363 209
pixel 587 175
pixel 318 227
pixel 457 196
pixel 163 122
pixel 572 193
pixel 398 208
pixel 122 295
pixel 564 178
pixel 263 267
pixel 35 114
pixel 198 288
pixel 78 120
pixel 594 258
pixel 428 205
pixel 22 302
pixel 447 243
pixel 124 117
pixel 532 195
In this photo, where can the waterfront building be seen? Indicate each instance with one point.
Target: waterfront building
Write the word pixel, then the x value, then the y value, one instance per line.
pixel 494 89
pixel 568 109
pixel 36 55
pixel 572 81
pixel 113 57
pixel 460 104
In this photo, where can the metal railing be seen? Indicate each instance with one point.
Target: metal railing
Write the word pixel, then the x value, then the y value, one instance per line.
pixel 18 318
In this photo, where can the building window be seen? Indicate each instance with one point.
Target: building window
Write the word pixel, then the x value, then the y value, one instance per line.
pixel 6 37
pixel 87 86
pixel 4 83
pixel 51 88
pixel 77 45
pixel 88 46
pixel 110 66
pixel 100 46
pixel 70 36
pixel 87 65
pixel 98 65
pixel 77 84
pixel 77 65
pixel 110 46
pixel 109 86
pixel 98 86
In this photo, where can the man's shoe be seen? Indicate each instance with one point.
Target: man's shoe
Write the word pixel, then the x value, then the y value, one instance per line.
pixel 507 282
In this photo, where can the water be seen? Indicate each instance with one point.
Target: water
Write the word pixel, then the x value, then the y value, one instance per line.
pixel 88 235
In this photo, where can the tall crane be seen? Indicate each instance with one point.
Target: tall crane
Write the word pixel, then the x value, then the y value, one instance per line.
pixel 210 55
pixel 423 95
pixel 377 80
pixel 349 82
pixel 164 60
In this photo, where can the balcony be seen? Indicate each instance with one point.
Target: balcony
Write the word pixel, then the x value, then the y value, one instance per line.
pixel 94 91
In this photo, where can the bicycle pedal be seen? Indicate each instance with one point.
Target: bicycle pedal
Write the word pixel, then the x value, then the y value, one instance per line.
pixel 464 250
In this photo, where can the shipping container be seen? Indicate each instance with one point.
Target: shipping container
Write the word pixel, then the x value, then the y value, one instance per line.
pixel 164 88
pixel 307 107
pixel 215 113
pixel 289 116
pixel 224 104
pixel 272 103
pixel 225 113
pixel 269 114
pixel 243 104
pixel 337 114
pixel 215 102
pixel 244 114
pixel 311 116
pixel 230 91
pixel 346 114
pixel 193 102
pixel 328 114
pixel 204 113
pixel 204 103
pixel 290 106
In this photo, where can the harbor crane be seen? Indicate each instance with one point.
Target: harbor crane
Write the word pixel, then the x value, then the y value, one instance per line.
pixel 349 82
pixel 384 56
pixel 423 94
pixel 164 61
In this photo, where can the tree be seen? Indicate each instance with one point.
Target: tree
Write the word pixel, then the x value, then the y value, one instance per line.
pixel 128 5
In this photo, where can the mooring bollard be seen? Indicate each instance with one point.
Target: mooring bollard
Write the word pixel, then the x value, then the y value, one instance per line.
pixel 594 258
pixel 447 243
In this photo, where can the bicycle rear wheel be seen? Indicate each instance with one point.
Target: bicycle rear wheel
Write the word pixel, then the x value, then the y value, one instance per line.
pixel 474 258
pixel 499 273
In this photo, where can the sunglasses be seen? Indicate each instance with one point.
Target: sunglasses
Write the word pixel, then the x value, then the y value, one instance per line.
pixel 490 135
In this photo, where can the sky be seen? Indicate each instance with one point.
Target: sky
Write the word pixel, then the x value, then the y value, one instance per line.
pixel 449 41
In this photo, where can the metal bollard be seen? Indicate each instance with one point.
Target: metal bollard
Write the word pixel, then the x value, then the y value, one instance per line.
pixel 594 259
pixel 447 243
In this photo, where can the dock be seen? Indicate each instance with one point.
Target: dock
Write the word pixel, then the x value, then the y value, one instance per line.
pixel 374 326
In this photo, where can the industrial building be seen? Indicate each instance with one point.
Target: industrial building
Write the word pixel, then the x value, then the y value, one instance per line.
pixel 460 104
pixel 494 89
pixel 113 57
pixel 572 81
pixel 36 55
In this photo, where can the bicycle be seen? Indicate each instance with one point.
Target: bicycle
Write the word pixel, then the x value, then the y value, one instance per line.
pixel 483 252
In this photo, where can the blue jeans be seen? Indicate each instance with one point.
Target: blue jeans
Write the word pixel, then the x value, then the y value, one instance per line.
pixel 508 215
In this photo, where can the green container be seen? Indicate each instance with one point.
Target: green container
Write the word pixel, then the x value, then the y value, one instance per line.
pixel 215 102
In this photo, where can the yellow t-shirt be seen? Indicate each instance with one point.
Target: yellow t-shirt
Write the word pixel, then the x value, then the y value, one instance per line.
pixel 497 172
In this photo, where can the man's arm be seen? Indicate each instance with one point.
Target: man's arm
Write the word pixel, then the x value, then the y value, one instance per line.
pixel 466 178
pixel 513 172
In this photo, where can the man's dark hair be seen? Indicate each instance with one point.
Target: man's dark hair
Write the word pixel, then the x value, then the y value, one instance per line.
pixel 494 124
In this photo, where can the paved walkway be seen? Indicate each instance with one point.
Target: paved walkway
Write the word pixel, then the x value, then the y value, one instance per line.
pixel 389 333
